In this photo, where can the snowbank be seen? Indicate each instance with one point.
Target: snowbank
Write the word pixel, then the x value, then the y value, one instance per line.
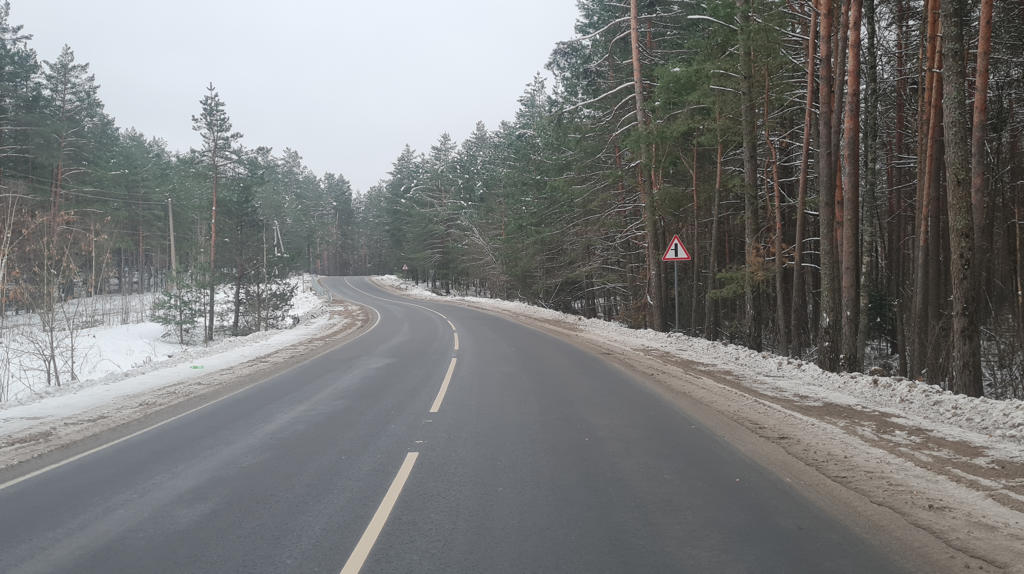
pixel 994 425
pixel 125 353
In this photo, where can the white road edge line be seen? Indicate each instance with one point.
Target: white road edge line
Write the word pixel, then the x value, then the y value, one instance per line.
pixel 147 429
pixel 444 388
pixel 399 302
pixel 369 538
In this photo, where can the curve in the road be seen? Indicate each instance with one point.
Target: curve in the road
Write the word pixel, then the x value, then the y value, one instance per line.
pixel 544 458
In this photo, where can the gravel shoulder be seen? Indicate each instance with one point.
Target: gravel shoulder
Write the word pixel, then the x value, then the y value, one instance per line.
pixel 942 503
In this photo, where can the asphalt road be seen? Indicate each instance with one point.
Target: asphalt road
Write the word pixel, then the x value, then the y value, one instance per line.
pixel 540 457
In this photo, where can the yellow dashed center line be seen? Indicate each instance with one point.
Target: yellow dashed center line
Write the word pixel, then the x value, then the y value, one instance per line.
pixel 444 387
pixel 369 538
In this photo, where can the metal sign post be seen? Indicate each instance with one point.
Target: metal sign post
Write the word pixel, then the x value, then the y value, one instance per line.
pixel 676 265
pixel 676 253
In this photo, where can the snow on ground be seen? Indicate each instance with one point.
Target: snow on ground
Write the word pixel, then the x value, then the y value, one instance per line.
pixel 306 301
pixel 132 359
pixel 996 426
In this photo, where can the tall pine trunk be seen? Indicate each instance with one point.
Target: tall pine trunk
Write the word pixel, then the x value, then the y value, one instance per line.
pixel 710 307
pixel 799 303
pixel 838 113
pixel 978 196
pixel 749 126
pixel 780 261
pixel 870 178
pixel 828 332
pixel 238 277
pixel 213 255
pixel 927 143
pixel 851 198
pixel 966 362
pixel 655 289
pixel 695 256
pixel 900 258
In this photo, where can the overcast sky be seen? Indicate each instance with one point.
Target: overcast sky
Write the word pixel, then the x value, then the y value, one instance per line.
pixel 345 83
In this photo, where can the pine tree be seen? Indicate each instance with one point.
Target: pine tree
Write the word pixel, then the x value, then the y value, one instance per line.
pixel 218 153
pixel 73 110
pixel 20 96
pixel 339 191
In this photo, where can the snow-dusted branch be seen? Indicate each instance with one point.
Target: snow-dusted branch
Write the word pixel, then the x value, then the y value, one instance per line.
pixel 597 99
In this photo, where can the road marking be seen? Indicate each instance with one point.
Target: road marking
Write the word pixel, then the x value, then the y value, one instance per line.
pixel 444 388
pixel 157 425
pixel 369 538
pixel 398 302
pixel 413 305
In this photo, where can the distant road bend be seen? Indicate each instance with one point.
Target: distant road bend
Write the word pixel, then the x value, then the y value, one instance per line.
pixel 443 439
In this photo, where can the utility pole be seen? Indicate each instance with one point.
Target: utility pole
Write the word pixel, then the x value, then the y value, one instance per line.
pixel 174 256
pixel 92 286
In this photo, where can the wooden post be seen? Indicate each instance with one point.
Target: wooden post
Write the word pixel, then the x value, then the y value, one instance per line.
pixel 174 256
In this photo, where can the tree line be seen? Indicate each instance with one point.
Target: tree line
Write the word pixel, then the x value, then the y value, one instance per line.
pixel 847 175
pixel 88 208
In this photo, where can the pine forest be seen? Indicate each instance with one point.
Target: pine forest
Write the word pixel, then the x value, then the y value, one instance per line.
pixel 846 175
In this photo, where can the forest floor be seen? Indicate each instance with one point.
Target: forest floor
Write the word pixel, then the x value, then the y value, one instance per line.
pixel 897 460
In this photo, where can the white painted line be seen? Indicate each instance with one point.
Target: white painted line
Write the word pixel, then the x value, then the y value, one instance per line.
pixel 147 429
pixel 369 538
pixel 109 444
pixel 399 302
pixel 444 388
pixel 456 341
pixel 452 324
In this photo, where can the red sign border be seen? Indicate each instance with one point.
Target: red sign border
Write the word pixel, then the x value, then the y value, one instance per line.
pixel 675 239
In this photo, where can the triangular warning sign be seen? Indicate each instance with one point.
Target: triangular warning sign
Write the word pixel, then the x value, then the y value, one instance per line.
pixel 676 251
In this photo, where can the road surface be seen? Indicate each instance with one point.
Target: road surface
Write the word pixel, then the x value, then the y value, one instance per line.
pixel 443 439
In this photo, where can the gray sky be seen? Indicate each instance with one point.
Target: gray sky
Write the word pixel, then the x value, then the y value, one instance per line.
pixel 346 83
